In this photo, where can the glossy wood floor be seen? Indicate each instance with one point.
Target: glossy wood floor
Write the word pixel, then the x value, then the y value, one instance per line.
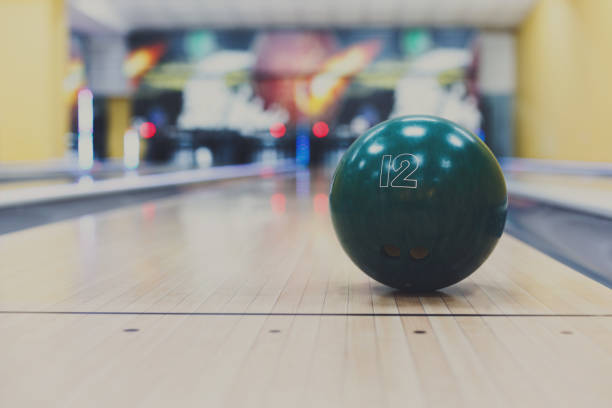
pixel 583 193
pixel 237 294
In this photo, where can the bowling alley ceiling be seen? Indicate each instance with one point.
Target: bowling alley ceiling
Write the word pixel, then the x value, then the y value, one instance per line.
pixel 123 16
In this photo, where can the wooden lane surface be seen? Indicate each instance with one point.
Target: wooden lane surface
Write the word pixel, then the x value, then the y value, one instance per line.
pixel 13 185
pixel 242 297
pixel 588 194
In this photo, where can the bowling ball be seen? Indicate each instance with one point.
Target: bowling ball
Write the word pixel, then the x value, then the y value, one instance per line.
pixel 418 202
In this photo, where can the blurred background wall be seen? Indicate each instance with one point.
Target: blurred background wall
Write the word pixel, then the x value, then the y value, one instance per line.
pixel 33 66
pixel 530 77
pixel 564 106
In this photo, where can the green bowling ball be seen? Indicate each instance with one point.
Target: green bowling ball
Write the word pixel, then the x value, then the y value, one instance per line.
pixel 418 203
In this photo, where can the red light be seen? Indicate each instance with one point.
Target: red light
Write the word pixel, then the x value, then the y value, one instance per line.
pixel 267 172
pixel 278 130
pixel 321 203
pixel 148 211
pixel 278 203
pixel 147 130
pixel 320 129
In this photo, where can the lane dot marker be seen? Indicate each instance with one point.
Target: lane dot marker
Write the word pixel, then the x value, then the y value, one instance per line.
pixel 132 330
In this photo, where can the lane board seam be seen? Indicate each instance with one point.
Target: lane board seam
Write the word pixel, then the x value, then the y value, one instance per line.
pixel 309 314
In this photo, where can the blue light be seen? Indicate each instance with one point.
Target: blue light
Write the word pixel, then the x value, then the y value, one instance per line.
pixel 481 134
pixel 302 146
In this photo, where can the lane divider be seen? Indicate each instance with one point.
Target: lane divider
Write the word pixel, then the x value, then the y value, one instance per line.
pixel 133 183
pixel 587 201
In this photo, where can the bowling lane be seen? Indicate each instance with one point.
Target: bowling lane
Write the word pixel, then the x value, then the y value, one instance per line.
pixel 245 246
pixel 580 192
pixel 15 185
pixel 238 294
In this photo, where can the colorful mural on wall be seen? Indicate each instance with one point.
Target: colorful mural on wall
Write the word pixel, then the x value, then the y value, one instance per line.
pixel 251 81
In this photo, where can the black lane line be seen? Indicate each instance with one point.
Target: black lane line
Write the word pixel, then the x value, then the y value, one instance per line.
pixel 308 314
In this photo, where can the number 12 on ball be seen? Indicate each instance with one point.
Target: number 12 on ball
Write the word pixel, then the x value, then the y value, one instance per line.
pixel 402 166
